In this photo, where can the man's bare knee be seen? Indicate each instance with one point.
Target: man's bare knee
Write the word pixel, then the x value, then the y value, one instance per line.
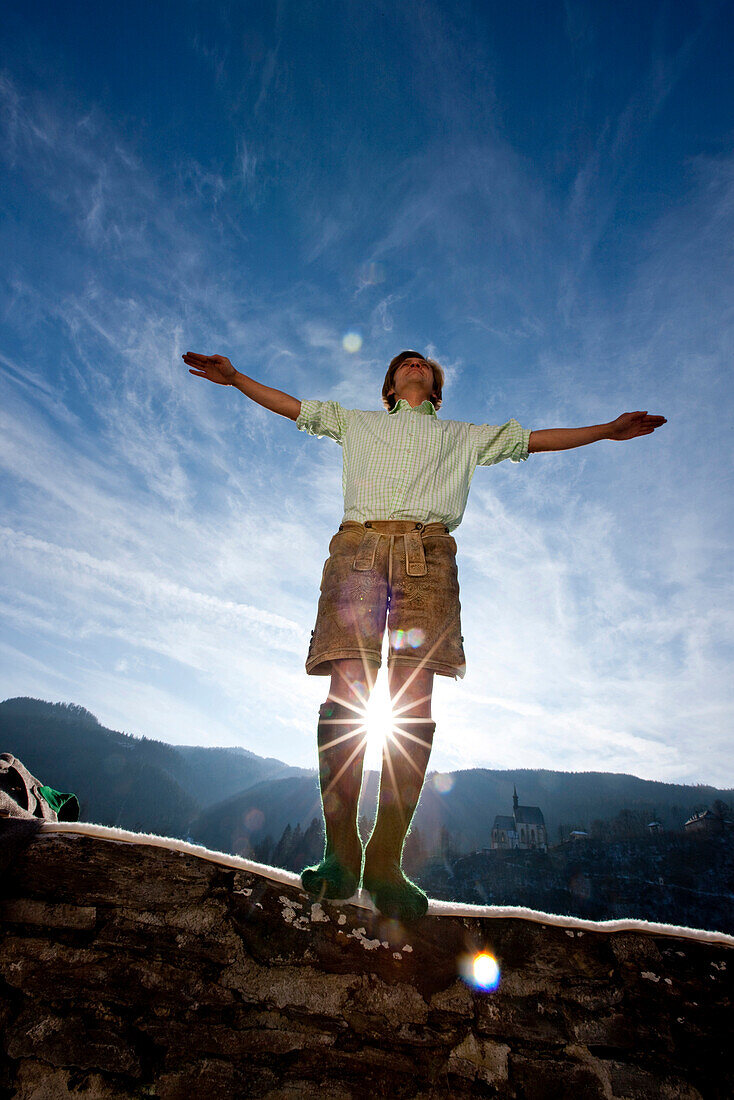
pixel 352 680
pixel 411 690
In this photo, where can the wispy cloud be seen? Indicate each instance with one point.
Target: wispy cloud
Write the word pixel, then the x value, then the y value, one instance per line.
pixel 164 537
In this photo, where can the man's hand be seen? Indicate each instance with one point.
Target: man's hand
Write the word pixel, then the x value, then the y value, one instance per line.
pixel 626 426
pixel 217 368
pixel 629 425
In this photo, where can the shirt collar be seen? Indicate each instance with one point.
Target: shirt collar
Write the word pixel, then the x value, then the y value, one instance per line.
pixel 426 408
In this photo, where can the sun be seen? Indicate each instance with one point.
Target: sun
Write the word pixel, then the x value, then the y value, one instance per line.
pixel 379 715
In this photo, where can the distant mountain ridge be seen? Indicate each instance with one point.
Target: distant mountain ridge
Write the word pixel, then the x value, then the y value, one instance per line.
pixel 230 798
pixel 134 783
pixel 462 803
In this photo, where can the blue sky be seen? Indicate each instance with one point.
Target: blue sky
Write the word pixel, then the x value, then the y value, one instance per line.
pixel 541 195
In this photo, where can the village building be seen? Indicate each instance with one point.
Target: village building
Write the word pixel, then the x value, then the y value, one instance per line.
pixel 705 822
pixel 525 829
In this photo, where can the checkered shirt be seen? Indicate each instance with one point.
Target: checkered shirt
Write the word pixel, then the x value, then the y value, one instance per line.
pixel 408 464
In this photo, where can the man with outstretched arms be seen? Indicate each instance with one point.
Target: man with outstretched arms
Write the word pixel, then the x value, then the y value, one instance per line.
pixel 393 562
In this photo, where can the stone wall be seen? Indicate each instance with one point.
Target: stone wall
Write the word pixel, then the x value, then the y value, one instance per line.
pixel 135 971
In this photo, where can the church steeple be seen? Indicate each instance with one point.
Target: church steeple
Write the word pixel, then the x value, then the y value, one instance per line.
pixel 515 800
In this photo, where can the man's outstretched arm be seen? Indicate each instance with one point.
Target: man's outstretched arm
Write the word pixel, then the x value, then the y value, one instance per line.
pixel 626 426
pixel 217 368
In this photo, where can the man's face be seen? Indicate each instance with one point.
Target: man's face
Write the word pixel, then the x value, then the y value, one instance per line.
pixel 413 372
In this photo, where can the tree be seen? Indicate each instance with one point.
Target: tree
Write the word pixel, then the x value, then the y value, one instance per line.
pixel 446 846
pixel 628 823
pixel 414 855
pixel 313 842
pixel 263 850
pixel 601 830
pixel 283 847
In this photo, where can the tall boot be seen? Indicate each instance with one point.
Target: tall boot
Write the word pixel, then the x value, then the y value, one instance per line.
pixel 341 739
pixel 405 757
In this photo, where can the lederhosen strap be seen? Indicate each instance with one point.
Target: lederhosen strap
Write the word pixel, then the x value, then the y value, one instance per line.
pixel 412 535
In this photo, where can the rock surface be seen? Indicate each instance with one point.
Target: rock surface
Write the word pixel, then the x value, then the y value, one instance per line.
pixel 135 971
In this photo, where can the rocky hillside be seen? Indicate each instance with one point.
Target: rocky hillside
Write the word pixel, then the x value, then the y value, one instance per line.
pixel 675 879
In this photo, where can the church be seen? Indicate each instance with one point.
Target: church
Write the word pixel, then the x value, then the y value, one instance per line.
pixel 525 829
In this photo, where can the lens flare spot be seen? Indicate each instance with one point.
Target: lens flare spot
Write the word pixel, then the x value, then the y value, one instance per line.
pixel 371 274
pixel 486 971
pixel 254 819
pixel 480 971
pixel 408 639
pixel 443 783
pixel 352 342
pixel 359 690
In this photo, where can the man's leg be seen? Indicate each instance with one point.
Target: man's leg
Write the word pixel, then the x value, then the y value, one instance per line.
pixel 405 754
pixel 342 737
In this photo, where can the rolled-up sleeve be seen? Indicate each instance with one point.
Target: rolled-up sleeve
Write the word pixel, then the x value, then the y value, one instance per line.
pixel 323 418
pixel 493 443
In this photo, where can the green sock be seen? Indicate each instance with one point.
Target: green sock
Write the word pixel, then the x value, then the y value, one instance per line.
pixel 341 739
pixel 400 785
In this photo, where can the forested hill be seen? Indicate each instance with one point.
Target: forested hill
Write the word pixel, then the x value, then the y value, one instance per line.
pixel 131 782
pixel 595 801
pixel 231 799
pixel 461 807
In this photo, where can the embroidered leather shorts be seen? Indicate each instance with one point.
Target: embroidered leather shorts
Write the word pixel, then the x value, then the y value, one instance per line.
pixel 393 572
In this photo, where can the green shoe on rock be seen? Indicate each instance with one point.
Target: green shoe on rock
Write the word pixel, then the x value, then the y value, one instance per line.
pixel 330 879
pixel 397 897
